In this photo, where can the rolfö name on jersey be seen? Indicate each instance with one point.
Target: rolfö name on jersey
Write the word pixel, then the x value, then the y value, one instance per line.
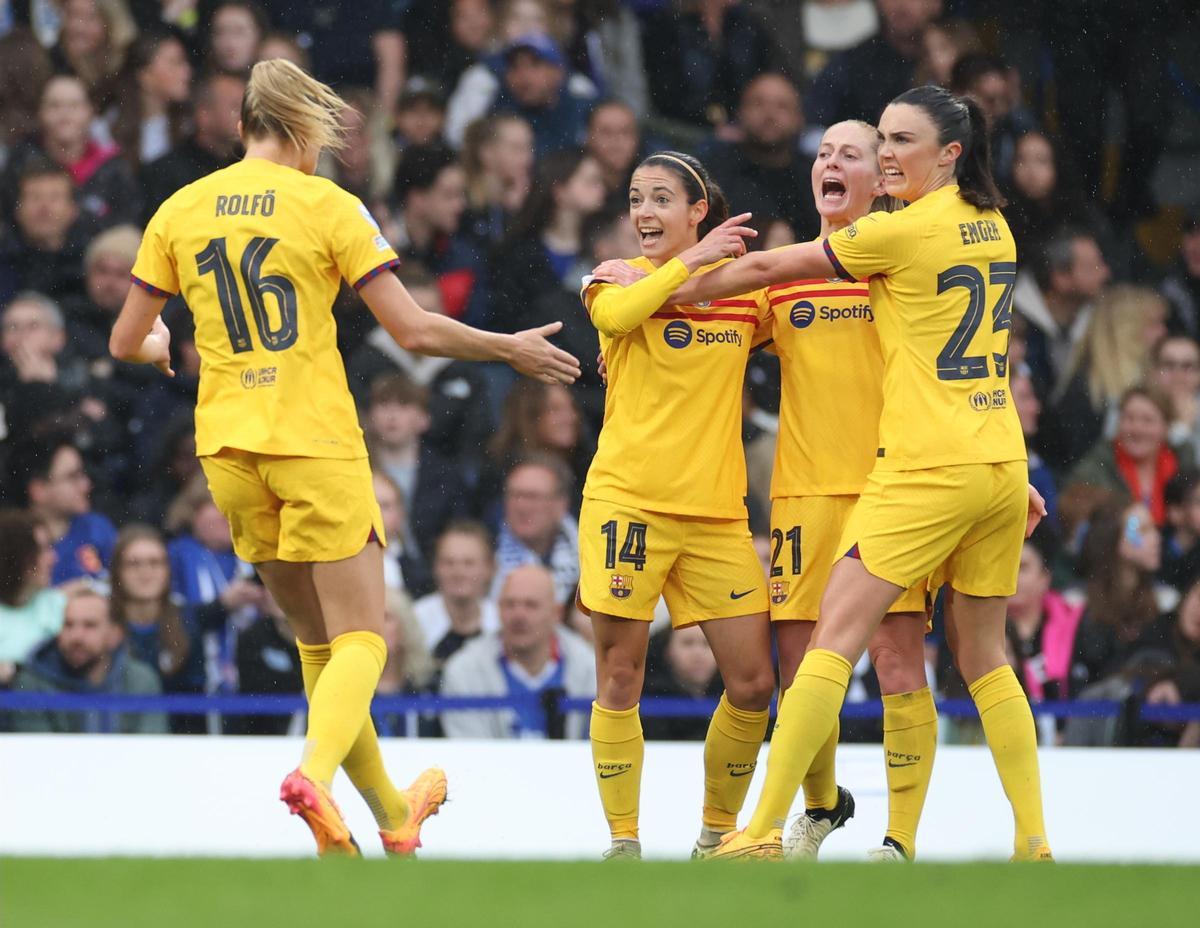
pixel 246 204
pixel 984 230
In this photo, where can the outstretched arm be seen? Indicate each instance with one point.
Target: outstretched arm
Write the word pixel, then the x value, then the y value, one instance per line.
pixel 424 332
pixel 757 270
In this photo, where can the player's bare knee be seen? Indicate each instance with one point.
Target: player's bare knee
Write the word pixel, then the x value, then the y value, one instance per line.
pixel 619 685
pixel 751 692
pixel 898 671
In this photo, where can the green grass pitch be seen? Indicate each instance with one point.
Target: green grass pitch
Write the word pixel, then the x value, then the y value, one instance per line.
pixel 130 893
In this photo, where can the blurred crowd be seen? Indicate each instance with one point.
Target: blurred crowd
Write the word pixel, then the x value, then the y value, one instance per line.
pixel 493 142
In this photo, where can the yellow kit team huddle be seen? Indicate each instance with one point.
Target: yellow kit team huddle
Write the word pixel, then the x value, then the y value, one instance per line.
pixel 900 466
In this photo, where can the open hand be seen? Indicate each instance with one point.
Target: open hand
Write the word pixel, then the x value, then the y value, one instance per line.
pixel 534 356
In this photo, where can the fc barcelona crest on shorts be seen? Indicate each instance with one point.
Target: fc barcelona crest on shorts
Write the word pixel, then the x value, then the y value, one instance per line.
pixel 620 586
pixel 779 592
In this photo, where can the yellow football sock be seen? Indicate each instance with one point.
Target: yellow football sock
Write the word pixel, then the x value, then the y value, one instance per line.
pixel 340 702
pixel 730 756
pixel 909 743
pixel 1009 729
pixel 806 718
pixel 617 751
pixel 820 783
pixel 364 763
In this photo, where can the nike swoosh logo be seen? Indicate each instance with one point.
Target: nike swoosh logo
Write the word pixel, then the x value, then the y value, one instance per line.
pixel 609 776
pixel 733 595
pixel 913 764
pixel 740 773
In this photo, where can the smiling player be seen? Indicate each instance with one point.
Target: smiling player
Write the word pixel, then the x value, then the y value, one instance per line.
pixel 663 507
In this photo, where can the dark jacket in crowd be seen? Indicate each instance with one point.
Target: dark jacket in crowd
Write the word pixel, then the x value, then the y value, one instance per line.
pixel 47 673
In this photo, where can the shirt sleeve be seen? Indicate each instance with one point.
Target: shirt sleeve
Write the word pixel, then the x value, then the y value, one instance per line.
pixel 154 269
pixel 617 310
pixel 764 332
pixel 879 243
pixel 359 249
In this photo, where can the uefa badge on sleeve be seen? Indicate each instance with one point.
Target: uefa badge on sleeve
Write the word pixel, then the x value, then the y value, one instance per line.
pixel 779 592
pixel 620 586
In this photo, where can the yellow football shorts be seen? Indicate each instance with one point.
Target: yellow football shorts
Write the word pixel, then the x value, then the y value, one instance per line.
pixel 294 509
pixel 805 533
pixel 962 524
pixel 704 568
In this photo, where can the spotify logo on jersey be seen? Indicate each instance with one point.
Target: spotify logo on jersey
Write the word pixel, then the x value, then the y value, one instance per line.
pixel 802 315
pixel 677 334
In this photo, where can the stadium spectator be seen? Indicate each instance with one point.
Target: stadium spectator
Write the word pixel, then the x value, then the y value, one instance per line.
pixel 236 30
pixel 43 249
pixel 535 88
pixel 404 565
pixel 480 84
pixel 268 664
pixel 680 664
pixel 831 27
pixel 429 196
pixel 1068 275
pixel 107 262
pixel 92 43
pixel 1181 286
pixel 39 379
pixel 444 39
pixel 538 527
pixel 539 418
pixel 143 604
pixel 286 46
pixel 1113 355
pixel 946 41
pixel 24 68
pixel 409 668
pixel 430 484
pixel 699 54
pixel 544 245
pixel 88 656
pixel 154 89
pixel 1029 410
pixel 420 114
pixel 459 610
pixel 213 144
pixel 890 57
pixel 1121 554
pixel 1181 533
pixel 30 611
pixel 1175 370
pixel 104 182
pixel 1042 626
pixel 203 566
pixel 349 42
pixel 366 165
pixel 614 140
pixel 531 655
pixel 763 172
pixel 50 474
pixel 985 79
pixel 1138 462
pixel 498 158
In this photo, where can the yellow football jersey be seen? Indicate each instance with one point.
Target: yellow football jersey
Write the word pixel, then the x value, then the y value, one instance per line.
pixel 258 251
pixel 941 278
pixel 672 435
pixel 832 374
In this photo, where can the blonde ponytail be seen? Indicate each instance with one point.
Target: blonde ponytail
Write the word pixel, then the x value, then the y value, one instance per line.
pixel 282 100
